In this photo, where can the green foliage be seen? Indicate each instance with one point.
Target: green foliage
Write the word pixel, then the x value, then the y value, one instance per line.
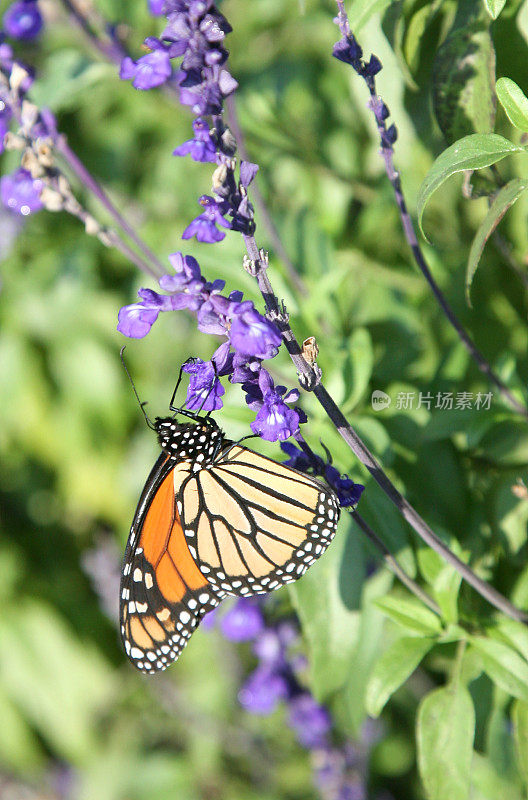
pixel 74 451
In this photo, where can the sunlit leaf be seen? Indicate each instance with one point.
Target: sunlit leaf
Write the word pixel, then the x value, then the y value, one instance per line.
pixel 444 731
pixel 393 669
pixel 472 152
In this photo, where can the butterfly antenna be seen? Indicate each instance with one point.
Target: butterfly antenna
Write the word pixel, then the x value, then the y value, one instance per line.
pixel 141 404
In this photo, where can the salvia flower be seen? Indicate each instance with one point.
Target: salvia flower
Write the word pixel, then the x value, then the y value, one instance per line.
pixel 201 147
pixel 252 334
pixel 23 20
pixel 274 420
pixel 204 390
pixel 5 121
pixel 156 7
pixel 310 721
pixel 263 691
pixel 137 319
pixel 149 71
pixel 204 227
pixel 243 621
pixel 21 193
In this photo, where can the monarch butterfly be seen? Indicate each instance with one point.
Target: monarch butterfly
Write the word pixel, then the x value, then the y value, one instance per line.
pixel 214 519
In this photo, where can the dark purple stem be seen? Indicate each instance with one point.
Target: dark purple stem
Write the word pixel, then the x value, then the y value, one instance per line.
pixel 408 228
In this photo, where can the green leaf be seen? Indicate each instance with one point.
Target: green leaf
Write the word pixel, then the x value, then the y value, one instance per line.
pixel 445 731
pixel 411 614
pixel 464 76
pixel 494 7
pixel 393 669
pixel 514 102
pixel 327 600
pixel 471 152
pixel 504 666
pixel 519 715
pixel 502 202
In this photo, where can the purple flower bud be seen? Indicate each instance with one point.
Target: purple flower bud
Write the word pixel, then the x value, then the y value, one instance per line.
pixel 5 120
pixel 148 71
pixel 262 691
pixel 348 50
pixel 373 67
pixel 310 721
pixel 137 319
pixel 243 621
pixel 23 20
pixel 205 390
pixel 298 459
pixel 21 193
pixel 253 335
pixel 247 172
pixel 222 358
pixel 389 136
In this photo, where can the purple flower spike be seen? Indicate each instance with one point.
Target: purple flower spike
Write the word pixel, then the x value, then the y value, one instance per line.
pixel 21 193
pixel 262 691
pixel 310 721
pixel 201 147
pixel 243 621
pixel 204 226
pixel 205 390
pixel 253 335
pixel 148 71
pixel 137 319
pixel 23 20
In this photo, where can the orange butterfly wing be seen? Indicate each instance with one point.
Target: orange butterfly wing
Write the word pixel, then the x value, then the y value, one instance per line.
pixel 163 593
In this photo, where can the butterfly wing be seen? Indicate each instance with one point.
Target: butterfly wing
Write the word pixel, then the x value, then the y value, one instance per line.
pixel 163 593
pixel 253 524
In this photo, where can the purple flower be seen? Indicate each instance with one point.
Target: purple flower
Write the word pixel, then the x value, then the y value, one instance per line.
pixel 156 7
pixel 204 390
pixel 201 147
pixel 262 691
pixel 204 226
pixel 252 334
pixel 274 421
pixel 137 319
pixel 300 460
pixel 187 273
pixel 310 721
pixel 21 193
pixel 349 51
pixel 23 20
pixel 148 71
pixel 347 491
pixel 5 119
pixel 243 621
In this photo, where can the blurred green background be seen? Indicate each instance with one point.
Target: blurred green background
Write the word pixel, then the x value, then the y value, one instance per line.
pixel 76 720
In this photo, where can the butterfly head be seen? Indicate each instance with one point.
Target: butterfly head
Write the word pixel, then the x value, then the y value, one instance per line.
pixel 189 441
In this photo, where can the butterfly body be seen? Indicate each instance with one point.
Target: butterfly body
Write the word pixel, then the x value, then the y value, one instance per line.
pixel 214 519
